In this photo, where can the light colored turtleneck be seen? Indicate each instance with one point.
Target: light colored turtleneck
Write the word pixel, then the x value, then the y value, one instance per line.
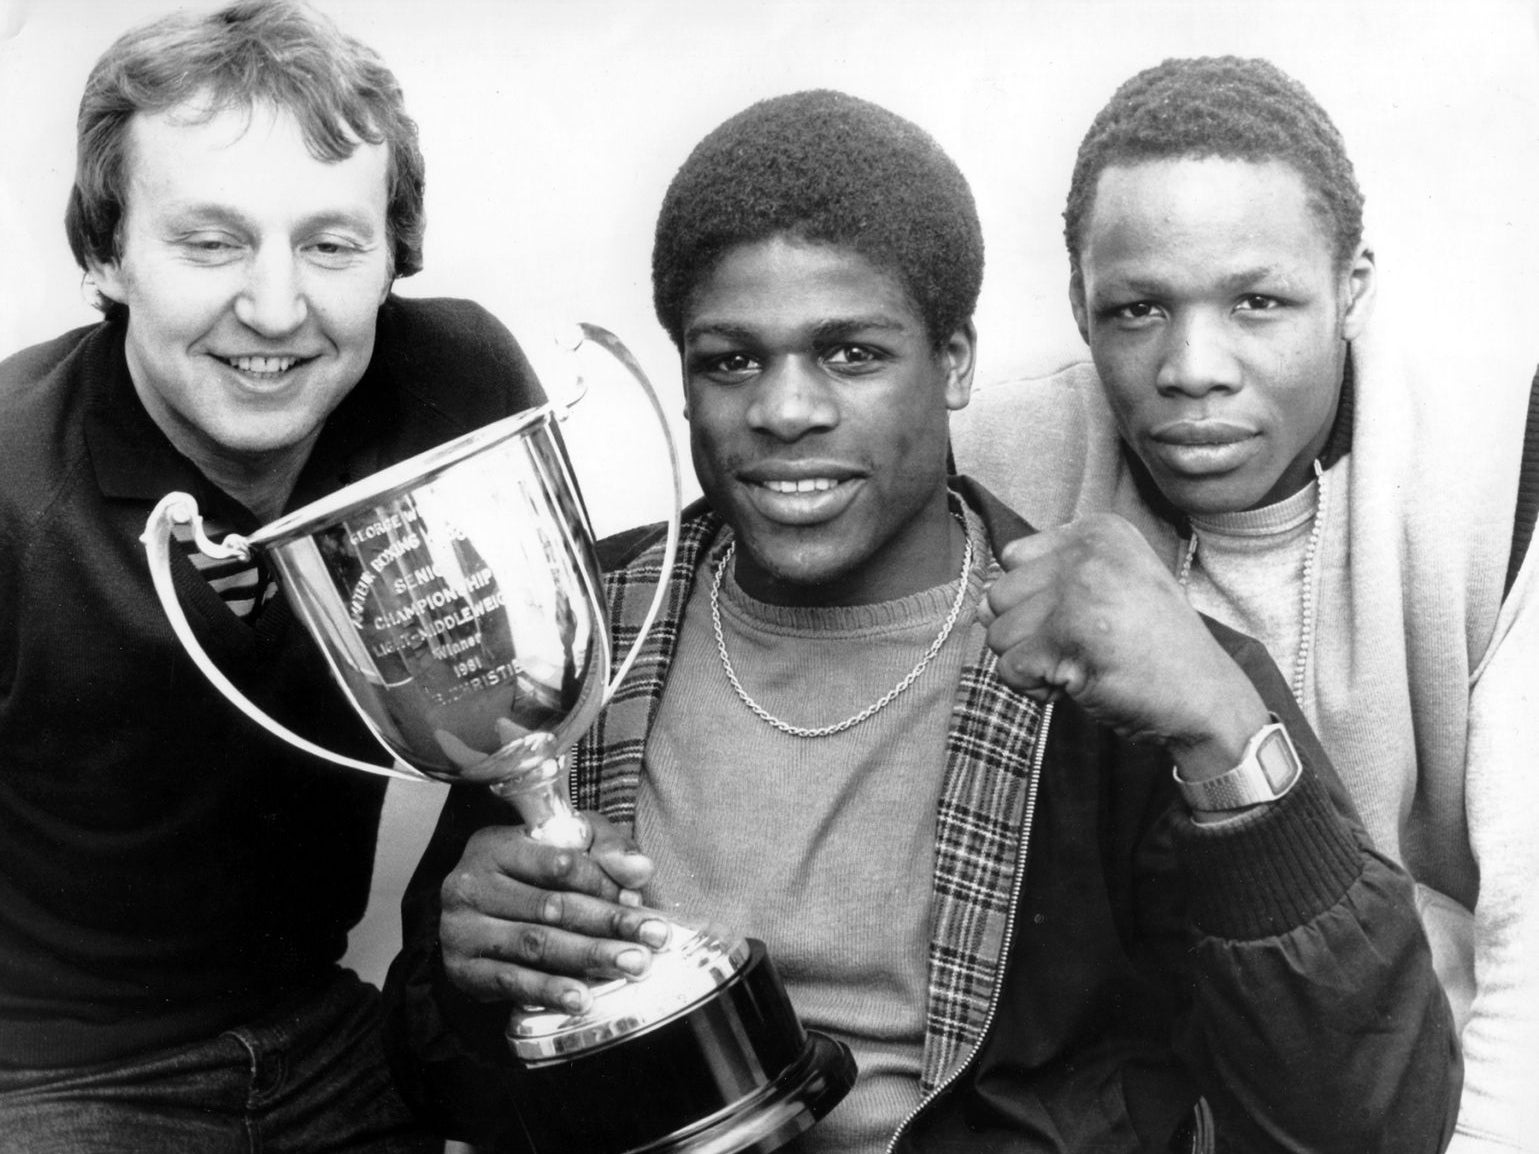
pixel 1248 571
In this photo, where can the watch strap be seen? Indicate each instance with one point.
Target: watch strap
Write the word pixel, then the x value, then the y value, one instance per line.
pixel 1269 767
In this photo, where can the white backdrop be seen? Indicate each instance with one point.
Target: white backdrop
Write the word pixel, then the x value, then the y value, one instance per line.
pixel 551 128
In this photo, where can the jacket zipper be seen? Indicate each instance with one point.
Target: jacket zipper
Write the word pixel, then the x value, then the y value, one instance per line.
pixel 1037 757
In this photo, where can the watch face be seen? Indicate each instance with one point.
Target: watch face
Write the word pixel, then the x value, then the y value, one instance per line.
pixel 1277 760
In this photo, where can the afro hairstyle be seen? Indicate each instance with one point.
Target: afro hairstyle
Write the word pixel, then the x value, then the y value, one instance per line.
pixel 1225 107
pixel 827 168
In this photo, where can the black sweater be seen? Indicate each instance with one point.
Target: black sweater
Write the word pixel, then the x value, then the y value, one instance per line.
pixel 167 869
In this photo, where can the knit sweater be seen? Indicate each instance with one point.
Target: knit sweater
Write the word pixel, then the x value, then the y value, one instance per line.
pixel 835 905
pixel 1425 681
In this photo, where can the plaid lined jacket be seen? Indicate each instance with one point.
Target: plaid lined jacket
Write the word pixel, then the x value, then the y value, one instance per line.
pixel 1097 961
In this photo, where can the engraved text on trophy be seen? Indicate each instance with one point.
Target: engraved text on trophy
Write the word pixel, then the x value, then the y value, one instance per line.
pixel 473 639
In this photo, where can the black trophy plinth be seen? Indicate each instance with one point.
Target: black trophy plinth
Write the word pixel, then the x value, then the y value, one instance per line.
pixel 733 1072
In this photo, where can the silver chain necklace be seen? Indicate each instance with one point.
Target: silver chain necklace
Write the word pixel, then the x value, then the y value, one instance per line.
pixel 869 711
pixel 1307 606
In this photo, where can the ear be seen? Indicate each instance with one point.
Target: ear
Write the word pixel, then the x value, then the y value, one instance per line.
pixel 1359 285
pixel 1077 304
pixel 958 356
pixel 108 279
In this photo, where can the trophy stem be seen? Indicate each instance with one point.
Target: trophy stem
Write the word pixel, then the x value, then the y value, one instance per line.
pixel 536 784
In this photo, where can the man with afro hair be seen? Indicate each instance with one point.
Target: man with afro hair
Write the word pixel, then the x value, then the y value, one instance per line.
pixel 1364 515
pixel 893 196
pixel 1028 932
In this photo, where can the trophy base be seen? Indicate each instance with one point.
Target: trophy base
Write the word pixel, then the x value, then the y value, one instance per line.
pixel 696 961
pixel 733 1072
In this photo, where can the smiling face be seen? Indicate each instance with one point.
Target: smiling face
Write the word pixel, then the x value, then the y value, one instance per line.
pixel 818 422
pixel 1218 318
pixel 253 274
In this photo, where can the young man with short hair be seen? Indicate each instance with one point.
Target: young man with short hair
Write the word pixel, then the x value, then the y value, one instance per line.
pixel 1026 937
pixel 176 888
pixel 1367 523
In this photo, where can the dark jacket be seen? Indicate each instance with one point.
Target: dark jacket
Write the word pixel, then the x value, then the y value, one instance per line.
pixel 1273 967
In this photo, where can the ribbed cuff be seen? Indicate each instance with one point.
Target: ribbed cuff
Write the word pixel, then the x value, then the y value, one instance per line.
pixel 1272 870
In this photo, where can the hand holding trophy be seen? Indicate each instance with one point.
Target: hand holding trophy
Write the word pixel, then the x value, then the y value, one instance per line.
pixel 458 601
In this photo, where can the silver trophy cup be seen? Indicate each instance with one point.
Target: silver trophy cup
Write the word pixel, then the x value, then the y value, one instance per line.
pixel 458 601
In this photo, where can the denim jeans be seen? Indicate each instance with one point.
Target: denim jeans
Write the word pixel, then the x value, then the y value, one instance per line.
pixel 311 1077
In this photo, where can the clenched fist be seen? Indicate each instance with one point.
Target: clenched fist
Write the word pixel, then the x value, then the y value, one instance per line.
pixel 1088 611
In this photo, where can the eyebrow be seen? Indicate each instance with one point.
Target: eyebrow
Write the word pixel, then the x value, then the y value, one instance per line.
pixel 1155 286
pixel 191 211
pixel 824 330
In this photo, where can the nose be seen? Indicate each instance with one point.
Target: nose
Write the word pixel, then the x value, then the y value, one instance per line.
pixel 791 399
pixel 1198 357
pixel 272 299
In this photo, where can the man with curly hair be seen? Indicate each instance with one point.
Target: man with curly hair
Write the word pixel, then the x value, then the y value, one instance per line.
pixel 1364 518
pixel 1030 934
pixel 176 888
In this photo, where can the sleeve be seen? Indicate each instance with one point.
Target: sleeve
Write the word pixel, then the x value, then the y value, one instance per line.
pixel 446 1052
pixel 1046 446
pixel 1500 1109
pixel 1317 1022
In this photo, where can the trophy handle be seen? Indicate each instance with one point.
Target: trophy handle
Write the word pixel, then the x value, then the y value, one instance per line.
pixel 611 344
pixel 182 509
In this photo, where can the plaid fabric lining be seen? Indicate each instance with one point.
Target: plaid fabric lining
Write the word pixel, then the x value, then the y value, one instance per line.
pixel 606 764
pixel 979 823
pixel 978 851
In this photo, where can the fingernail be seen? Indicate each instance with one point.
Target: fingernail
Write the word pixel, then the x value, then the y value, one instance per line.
pixel 630 898
pixel 631 961
pixel 571 1002
pixel 654 933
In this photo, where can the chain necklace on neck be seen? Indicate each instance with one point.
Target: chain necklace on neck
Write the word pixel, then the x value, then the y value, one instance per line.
pixel 869 711
pixel 1307 606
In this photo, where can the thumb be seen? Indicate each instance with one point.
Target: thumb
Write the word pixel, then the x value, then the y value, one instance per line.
pixel 1040 674
pixel 616 853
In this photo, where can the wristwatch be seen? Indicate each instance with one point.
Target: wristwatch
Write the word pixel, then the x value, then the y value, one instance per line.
pixel 1268 769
